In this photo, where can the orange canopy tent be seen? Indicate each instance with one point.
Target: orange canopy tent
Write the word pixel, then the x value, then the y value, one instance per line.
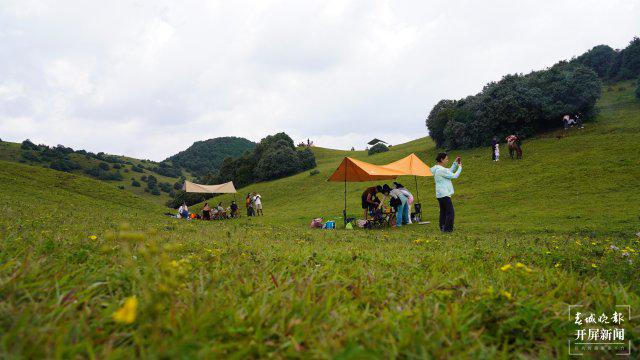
pixel 411 165
pixel 352 170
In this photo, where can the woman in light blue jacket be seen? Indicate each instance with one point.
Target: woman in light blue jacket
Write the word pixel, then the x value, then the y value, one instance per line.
pixel 444 188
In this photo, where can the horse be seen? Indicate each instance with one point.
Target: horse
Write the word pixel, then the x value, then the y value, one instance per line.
pixel 514 146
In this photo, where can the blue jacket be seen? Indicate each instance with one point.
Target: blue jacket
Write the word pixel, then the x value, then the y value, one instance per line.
pixel 442 177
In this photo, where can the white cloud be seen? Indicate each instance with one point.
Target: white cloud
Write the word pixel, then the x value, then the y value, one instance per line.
pixel 148 78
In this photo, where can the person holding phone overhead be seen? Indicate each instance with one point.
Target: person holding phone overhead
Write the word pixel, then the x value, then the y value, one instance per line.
pixel 444 188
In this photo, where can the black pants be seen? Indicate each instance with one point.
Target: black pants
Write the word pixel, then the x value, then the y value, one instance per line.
pixel 446 214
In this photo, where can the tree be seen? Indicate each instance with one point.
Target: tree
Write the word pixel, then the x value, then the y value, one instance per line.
pixel 378 148
pixel 28 145
pixel 627 63
pixel 517 104
pixel 599 59
pixel 277 163
pixel 638 89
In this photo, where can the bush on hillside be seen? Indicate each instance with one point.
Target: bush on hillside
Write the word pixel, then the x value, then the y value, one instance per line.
pixel 103 166
pixel 626 65
pixel 165 187
pixel 104 175
pixel 64 165
pixel 638 89
pixel 378 148
pixel 31 156
pixel 517 104
pixel 135 183
pixel 314 172
pixel 137 169
pixel 167 170
pixel 599 59
pixel 155 191
pixel 28 145
pixel 152 182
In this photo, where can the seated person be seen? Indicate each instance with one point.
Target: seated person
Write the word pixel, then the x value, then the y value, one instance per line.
pixel 234 209
pixel 368 199
pixel 206 212
pixel 221 211
pixel 183 211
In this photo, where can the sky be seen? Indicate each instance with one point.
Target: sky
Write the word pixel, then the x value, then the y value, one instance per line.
pixel 148 78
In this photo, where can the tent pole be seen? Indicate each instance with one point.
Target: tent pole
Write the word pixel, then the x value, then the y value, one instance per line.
pixel 344 211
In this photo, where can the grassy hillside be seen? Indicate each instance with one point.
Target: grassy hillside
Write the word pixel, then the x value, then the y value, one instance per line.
pixel 573 181
pixel 12 152
pixel 74 249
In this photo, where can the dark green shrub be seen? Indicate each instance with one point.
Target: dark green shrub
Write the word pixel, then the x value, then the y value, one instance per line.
pixel 638 89
pixel 103 166
pixel 28 145
pixel 165 187
pixel 135 183
pixel 378 148
pixel 314 172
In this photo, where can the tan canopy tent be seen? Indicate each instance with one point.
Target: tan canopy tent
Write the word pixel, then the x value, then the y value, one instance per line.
pixel 352 170
pixel 226 188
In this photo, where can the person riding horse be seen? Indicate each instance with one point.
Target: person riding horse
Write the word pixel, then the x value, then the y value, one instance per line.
pixel 514 143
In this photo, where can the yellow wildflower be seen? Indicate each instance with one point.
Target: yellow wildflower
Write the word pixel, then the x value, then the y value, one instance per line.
pixel 506 267
pixel 594 266
pixel 557 265
pixel 93 237
pixel 418 241
pixel 127 313
pixel 506 294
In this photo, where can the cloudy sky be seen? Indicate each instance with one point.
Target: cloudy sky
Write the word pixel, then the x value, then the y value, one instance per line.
pixel 148 78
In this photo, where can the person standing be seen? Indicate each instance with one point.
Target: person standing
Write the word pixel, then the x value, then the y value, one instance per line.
pixel 444 188
pixel 247 202
pixel 257 203
pixel 494 142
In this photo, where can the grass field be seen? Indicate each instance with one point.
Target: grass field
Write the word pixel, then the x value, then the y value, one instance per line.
pixel 74 249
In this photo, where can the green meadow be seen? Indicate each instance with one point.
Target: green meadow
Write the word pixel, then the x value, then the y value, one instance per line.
pixel 532 237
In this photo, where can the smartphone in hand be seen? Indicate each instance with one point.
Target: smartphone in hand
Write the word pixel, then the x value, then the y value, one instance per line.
pixel 459 160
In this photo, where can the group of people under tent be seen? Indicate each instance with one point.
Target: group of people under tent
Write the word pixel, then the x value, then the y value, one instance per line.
pixel 400 199
pixel 218 212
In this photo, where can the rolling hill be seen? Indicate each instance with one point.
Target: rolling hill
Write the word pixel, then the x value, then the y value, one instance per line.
pixel 207 156
pixel 532 237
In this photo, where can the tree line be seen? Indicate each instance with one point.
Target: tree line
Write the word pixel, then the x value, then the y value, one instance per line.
pixel 527 104
pixel 273 157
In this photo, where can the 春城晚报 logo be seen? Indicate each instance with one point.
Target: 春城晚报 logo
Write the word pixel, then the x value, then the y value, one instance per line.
pixel 599 331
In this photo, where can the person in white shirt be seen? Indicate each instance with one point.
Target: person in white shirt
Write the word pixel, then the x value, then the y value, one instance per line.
pixel 257 203
pixel 183 211
pixel 402 214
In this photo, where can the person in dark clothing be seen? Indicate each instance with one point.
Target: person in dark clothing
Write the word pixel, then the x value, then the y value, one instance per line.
pixel 234 209
pixel 370 199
